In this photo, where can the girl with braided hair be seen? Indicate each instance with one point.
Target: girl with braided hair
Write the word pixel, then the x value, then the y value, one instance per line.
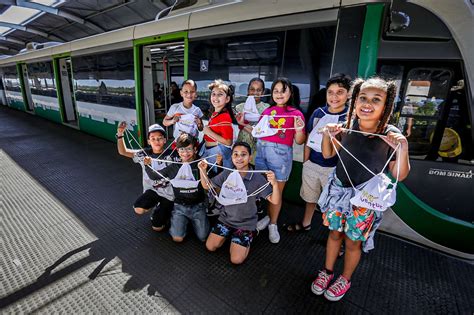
pixel 371 140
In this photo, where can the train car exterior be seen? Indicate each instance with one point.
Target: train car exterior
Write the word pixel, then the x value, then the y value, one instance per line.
pixel 424 45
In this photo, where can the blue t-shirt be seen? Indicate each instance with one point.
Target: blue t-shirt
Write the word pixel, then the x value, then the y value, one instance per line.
pixel 314 156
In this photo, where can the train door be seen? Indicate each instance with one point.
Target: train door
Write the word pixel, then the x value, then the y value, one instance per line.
pixel 163 73
pixel 3 98
pixel 67 91
pixel 26 88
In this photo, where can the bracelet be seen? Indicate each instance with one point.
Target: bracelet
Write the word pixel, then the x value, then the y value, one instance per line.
pixel 118 137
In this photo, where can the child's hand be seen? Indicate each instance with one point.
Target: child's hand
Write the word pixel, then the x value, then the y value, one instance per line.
pixel 393 139
pixel 207 131
pixel 332 129
pixel 271 178
pixel 147 160
pixel 202 165
pixel 121 128
pixel 299 123
pixel 175 119
pixel 240 118
pixel 219 159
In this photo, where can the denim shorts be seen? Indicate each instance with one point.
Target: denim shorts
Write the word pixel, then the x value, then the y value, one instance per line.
pixel 276 157
pixel 182 214
pixel 226 153
pixel 237 236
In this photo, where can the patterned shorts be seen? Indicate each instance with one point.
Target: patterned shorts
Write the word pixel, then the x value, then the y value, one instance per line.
pixel 356 226
pixel 238 236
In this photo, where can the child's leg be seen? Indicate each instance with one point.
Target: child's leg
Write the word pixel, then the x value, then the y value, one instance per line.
pixel 162 214
pixel 240 245
pixel 200 222
pixel 352 257
pixel 332 248
pixel 238 253
pixel 146 201
pixel 179 223
pixel 214 242
pixel 274 210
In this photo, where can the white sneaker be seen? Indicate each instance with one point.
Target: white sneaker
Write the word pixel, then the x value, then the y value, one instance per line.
pixel 263 223
pixel 273 234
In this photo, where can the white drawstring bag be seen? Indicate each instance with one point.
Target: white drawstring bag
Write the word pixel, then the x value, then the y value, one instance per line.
pixel 233 190
pixel 187 124
pixel 184 178
pixel 315 137
pixel 263 129
pixel 378 193
pixel 250 110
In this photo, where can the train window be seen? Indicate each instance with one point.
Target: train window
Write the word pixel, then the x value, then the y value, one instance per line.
pixel 106 79
pixel 41 79
pixel 302 55
pixel 425 94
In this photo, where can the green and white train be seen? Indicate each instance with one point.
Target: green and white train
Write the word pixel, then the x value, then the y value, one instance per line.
pixel 426 45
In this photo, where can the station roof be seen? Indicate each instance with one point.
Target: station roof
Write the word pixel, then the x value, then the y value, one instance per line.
pixel 42 21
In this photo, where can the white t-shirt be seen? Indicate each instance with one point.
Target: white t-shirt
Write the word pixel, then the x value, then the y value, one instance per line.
pixel 179 108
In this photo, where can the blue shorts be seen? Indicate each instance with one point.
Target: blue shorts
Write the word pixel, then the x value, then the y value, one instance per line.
pixel 182 214
pixel 226 153
pixel 275 157
pixel 238 236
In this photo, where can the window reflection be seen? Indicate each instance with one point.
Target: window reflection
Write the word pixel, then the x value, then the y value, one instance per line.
pixel 41 79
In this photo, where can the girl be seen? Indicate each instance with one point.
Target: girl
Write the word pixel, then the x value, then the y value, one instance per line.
pixel 219 133
pixel 369 111
pixel 275 152
pixel 239 221
pixel 255 88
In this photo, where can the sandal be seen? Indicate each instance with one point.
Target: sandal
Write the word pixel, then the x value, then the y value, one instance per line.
pixel 158 228
pixel 298 227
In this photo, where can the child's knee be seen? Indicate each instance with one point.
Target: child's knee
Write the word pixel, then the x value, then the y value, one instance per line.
pixel 211 247
pixel 335 235
pixel 140 210
pixel 237 259
pixel 352 245
pixel 178 239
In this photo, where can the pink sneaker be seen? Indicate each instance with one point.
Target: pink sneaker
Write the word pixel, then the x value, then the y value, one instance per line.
pixel 321 283
pixel 337 290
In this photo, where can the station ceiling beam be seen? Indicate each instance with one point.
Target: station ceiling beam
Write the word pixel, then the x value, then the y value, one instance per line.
pixel 31 30
pixel 12 40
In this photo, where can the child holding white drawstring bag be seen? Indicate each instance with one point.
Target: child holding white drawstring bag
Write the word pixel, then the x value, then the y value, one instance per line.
pixel 351 209
pixel 237 189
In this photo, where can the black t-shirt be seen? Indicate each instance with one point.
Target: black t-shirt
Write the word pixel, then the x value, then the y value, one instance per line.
pixel 188 196
pixel 370 150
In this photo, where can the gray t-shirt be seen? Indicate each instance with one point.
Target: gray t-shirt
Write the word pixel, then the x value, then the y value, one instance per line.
pixel 244 215
pixel 180 109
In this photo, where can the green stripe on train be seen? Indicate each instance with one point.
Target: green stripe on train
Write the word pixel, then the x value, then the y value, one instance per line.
pixel 52 115
pixel 103 129
pixel 17 105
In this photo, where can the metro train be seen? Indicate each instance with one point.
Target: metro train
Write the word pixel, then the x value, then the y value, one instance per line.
pixel 427 46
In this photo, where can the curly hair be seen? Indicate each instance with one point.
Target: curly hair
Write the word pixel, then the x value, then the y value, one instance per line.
pixel 229 91
pixel 388 87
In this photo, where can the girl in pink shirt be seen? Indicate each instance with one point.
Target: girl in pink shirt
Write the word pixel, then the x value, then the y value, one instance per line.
pixel 275 152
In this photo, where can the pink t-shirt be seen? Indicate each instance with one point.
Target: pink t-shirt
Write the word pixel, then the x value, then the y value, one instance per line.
pixel 286 120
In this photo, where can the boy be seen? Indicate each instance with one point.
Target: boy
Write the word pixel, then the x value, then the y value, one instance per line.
pixel 189 202
pixel 186 107
pixel 154 191
pixel 316 168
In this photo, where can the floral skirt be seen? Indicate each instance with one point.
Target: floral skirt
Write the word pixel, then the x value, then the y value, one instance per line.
pixel 356 226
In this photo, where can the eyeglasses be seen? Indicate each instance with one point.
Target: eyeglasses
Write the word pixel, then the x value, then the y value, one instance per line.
pixel 185 149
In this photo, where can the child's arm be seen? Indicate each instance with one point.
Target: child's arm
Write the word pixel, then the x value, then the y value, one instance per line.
pixel 275 197
pixel 199 123
pixel 150 171
pixel 300 135
pixel 203 170
pixel 393 139
pixel 327 149
pixel 121 148
pixel 170 120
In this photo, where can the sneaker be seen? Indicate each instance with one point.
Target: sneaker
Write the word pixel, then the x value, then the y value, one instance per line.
pixel 337 290
pixel 273 234
pixel 263 223
pixel 321 283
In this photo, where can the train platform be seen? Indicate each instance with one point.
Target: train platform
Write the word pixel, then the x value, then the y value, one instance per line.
pixel 72 243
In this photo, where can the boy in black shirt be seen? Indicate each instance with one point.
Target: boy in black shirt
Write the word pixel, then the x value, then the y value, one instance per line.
pixel 190 203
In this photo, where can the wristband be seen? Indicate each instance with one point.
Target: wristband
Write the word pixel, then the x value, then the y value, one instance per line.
pixel 118 137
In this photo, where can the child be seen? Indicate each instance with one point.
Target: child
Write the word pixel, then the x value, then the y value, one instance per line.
pixel 370 109
pixel 219 133
pixel 275 152
pixel 255 88
pixel 239 221
pixel 186 107
pixel 189 202
pixel 154 191
pixel 316 168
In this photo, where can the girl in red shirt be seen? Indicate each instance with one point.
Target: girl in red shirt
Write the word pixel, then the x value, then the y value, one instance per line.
pixel 219 133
